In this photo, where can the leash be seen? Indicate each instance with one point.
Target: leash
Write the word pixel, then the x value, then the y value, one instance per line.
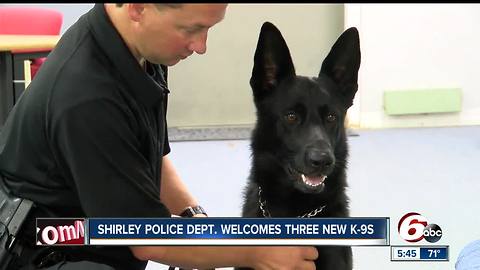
pixel 266 213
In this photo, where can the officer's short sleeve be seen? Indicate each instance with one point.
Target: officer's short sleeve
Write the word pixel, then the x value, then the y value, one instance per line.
pixel 100 152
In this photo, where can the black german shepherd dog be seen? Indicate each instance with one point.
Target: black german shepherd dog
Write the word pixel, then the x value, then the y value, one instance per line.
pixel 299 145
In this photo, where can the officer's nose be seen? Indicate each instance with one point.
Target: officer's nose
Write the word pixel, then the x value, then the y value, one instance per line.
pixel 199 44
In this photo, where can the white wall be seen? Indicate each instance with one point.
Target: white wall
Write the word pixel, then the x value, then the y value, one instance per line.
pixel 213 89
pixel 416 46
pixel 404 46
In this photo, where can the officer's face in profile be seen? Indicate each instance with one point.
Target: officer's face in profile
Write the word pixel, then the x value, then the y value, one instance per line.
pixel 167 35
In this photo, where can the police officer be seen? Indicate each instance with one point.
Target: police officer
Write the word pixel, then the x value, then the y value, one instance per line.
pixel 88 138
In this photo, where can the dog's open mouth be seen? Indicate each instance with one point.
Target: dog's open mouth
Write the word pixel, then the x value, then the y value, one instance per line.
pixel 312 181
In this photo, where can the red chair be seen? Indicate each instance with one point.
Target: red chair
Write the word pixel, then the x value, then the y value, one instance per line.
pixel 30 21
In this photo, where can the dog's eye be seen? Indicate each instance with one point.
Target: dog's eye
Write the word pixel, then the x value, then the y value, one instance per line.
pixel 291 118
pixel 331 117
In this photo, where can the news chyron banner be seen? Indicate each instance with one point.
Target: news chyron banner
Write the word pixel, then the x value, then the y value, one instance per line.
pixel 214 231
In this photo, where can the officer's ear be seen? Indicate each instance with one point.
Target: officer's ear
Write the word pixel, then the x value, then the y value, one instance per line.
pixel 135 11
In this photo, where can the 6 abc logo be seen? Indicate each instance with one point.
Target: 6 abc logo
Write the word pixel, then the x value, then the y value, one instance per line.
pixel 414 227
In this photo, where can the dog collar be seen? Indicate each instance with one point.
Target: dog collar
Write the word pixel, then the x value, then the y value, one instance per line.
pixel 266 213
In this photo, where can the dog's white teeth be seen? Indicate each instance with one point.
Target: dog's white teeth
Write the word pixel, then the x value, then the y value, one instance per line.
pixel 313 181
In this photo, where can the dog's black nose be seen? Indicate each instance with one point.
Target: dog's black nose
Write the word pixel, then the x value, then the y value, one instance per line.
pixel 319 159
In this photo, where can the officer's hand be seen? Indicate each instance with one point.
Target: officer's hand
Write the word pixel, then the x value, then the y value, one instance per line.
pixel 284 258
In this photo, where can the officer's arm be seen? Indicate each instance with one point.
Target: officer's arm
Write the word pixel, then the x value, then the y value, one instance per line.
pixel 257 257
pixel 194 256
pixel 174 193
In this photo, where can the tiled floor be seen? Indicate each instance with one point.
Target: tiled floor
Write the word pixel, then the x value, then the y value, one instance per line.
pixel 432 171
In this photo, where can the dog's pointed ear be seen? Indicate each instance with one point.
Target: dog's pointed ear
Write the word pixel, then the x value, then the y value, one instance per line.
pixel 272 61
pixel 343 62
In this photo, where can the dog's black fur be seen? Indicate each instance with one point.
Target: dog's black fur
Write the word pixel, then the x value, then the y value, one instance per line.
pixel 300 130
